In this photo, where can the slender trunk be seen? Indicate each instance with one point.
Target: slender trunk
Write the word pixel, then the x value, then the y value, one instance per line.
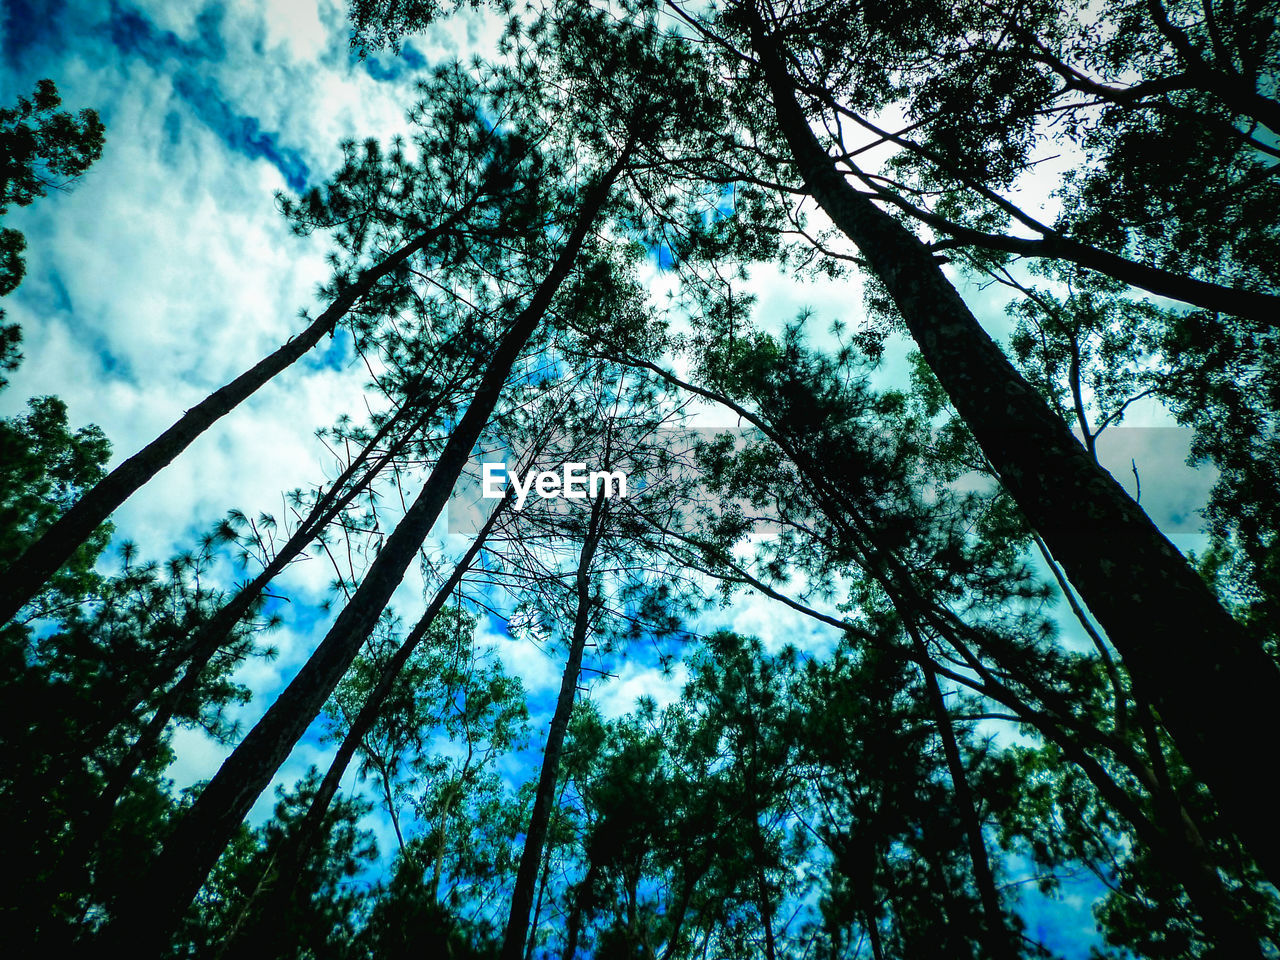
pixel 535 837
pixel 998 943
pixel 211 635
pixel 94 821
pixel 152 912
pixel 294 849
pixel 707 930
pixel 764 902
pixel 372 706
pixel 573 925
pixel 389 796
pixel 242 915
pixel 25 576
pixel 766 913
pixel 1185 654
pixel 873 935
pixel 681 908
pixel 537 906
pixel 437 862
pixel 206 642
pixel 1192 866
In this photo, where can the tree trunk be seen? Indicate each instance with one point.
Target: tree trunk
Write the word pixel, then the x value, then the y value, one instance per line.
pixel 262 942
pixel 766 913
pixel 25 576
pixel 206 642
pixel 536 835
pixel 211 635
pixel 1184 652
pixel 680 910
pixel 545 877
pixel 151 913
pixel 997 940
pixel 573 925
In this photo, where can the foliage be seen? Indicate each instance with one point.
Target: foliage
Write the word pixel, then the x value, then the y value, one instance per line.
pixel 948 726
pixel 42 148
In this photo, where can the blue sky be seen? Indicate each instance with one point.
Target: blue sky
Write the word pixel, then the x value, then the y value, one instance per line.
pixel 168 270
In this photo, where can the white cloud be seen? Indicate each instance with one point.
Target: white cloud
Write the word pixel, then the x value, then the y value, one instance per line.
pixel 617 696
pixel 295 25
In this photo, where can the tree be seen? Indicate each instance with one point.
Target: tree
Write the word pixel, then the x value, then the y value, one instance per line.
pixel 75 856
pixel 465 171
pixel 845 470
pixel 513 943
pixel 787 804
pixel 385 704
pixel 206 828
pixel 44 467
pixel 1106 540
pixel 209 637
pixel 324 923
pixel 1031 449
pixel 42 148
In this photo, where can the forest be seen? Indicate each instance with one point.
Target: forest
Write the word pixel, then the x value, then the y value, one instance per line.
pixel 890 629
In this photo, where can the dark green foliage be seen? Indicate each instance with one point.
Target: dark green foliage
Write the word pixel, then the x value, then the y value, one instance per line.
pixel 62 681
pixel 42 148
pixel 877 790
pixel 447 690
pixel 1223 383
pixel 44 467
pixel 386 23
pixel 898 870
pixel 327 901
pixel 407 921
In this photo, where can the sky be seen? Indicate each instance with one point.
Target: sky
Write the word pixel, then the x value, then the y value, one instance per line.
pixel 167 270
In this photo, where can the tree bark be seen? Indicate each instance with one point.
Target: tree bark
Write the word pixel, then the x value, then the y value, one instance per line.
pixel 1215 688
pixel 151 913
pixel 263 941
pixel 998 941
pixel 536 835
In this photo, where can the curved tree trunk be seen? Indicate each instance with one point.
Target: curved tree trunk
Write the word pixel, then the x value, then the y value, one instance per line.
pixel 1215 689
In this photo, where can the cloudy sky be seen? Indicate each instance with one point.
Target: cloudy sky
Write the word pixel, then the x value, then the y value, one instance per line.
pixel 168 270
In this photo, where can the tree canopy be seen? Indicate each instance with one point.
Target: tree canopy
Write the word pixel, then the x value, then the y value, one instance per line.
pixel 789 632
